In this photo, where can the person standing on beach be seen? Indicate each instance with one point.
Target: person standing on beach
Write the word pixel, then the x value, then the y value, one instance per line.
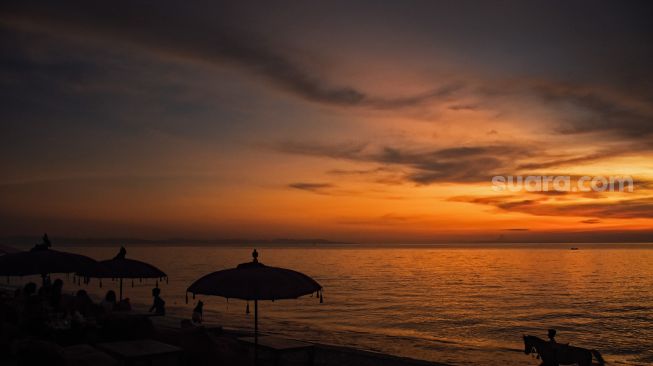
pixel 158 306
pixel 198 313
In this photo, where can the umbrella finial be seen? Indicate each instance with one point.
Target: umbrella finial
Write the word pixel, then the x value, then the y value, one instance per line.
pixel 255 256
pixel 121 254
pixel 43 246
pixel 46 240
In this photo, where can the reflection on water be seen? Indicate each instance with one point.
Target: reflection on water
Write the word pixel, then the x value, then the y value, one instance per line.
pixel 457 305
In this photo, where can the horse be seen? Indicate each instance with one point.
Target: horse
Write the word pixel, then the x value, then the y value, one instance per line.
pixel 554 354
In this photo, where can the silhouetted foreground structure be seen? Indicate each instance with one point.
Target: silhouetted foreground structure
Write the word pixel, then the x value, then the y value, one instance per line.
pixel 254 281
pixel 122 268
pixel 41 260
pixel 50 327
pixel 112 338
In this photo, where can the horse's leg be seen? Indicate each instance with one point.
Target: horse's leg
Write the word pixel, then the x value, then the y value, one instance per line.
pixel 585 359
pixel 548 360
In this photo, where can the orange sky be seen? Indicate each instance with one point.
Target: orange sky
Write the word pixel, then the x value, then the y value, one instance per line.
pixel 380 124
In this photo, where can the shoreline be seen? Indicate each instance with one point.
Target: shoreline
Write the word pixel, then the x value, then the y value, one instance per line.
pixel 325 354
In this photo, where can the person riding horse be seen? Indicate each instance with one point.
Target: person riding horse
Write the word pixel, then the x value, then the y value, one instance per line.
pixel 553 353
pixel 552 335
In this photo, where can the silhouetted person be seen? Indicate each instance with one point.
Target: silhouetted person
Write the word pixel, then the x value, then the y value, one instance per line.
pixel 198 313
pixel 109 302
pixel 55 293
pixel 83 303
pixel 45 290
pixel 33 319
pixel 552 336
pixel 29 289
pixel 158 306
pixel 124 305
pixel 28 297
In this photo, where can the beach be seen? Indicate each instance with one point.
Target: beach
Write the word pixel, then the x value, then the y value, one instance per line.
pixel 455 305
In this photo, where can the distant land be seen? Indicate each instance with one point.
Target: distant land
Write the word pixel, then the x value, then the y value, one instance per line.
pixel 509 236
pixel 60 242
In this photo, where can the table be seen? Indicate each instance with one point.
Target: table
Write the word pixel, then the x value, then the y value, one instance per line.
pixel 145 350
pixel 280 346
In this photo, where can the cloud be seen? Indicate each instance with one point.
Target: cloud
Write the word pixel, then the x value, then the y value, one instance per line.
pixel 575 160
pixel 383 174
pixel 320 188
pixel 621 209
pixel 345 150
pixel 394 165
pixel 178 32
pixel 422 166
pixel 607 111
pixel 383 220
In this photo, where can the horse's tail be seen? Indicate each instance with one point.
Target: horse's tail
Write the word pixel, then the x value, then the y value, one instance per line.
pixel 598 357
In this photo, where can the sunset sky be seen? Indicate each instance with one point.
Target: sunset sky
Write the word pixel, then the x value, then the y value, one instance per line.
pixel 360 121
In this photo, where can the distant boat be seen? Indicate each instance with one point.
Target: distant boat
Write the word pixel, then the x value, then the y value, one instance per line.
pixel 574 248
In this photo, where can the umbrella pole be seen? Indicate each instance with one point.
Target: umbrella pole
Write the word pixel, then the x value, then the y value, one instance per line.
pixel 121 289
pixel 255 332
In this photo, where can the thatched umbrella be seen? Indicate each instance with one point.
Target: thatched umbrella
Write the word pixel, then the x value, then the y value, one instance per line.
pixel 255 281
pixel 41 260
pixel 6 249
pixel 122 268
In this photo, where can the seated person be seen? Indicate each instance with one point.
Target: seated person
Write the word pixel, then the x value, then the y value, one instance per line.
pixel 29 290
pixel 124 305
pixel 55 294
pixel 109 302
pixel 83 303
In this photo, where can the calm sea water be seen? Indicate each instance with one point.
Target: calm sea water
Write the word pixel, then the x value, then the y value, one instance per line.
pixel 457 305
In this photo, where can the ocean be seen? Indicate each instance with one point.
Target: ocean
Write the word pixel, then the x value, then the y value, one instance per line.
pixel 461 305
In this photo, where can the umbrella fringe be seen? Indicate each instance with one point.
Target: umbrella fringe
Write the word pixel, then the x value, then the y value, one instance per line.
pixel 321 298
